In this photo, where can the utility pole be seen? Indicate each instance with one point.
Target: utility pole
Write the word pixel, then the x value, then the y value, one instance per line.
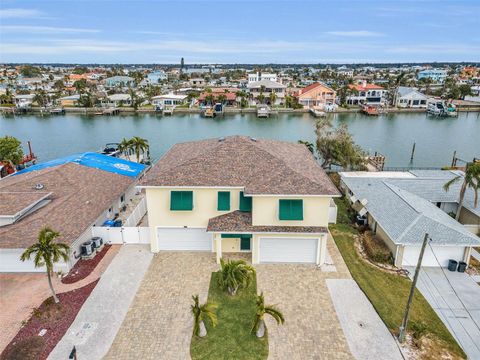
pixel 413 152
pixel 403 327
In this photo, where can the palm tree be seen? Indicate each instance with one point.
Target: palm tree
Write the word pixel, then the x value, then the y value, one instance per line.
pixel 308 144
pixel 262 309
pixel 470 180
pixel 200 313
pixel 124 147
pixel 139 145
pixel 46 252
pixel 272 97
pixel 235 274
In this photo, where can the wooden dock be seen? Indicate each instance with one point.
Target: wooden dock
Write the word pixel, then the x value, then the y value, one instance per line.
pixel 317 113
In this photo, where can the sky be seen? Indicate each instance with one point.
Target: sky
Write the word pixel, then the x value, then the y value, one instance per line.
pixel 248 31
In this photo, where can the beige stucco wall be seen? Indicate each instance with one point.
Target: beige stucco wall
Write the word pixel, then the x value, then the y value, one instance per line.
pixel 265 211
pixel 468 217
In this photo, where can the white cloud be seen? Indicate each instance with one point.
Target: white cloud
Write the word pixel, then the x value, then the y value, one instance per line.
pixel 43 29
pixel 20 13
pixel 355 33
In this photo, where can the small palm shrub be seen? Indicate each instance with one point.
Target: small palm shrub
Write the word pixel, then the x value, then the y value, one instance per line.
pixel 262 309
pixel 200 313
pixel 235 274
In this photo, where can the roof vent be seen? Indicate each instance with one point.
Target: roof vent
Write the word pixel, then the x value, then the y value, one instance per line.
pixel 253 139
pixel 39 186
pixel 221 139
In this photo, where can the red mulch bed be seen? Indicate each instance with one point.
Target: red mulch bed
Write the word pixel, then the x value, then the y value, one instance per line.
pixel 83 268
pixel 55 318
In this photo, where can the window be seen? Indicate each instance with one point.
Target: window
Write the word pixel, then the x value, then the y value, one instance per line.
pixel 290 209
pixel 181 200
pixel 223 201
pixel 122 198
pixel 245 202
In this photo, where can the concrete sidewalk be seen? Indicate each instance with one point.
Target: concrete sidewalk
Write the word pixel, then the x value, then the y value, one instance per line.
pixel 100 317
pixel 457 303
pixel 366 334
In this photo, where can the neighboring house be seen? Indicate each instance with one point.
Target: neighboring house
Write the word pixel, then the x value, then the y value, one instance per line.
pixel 156 76
pixel 229 94
pixel 344 71
pixel 408 97
pixel 368 94
pixel 240 194
pixel 197 82
pixel 71 100
pixel 266 87
pixel 120 81
pixel 316 95
pixel 401 207
pixel 24 101
pixel 169 100
pixel 118 100
pixel 254 77
pixel 70 195
pixel 436 75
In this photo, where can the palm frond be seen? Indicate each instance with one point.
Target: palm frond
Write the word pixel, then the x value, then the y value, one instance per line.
pixel 449 183
pixel 275 313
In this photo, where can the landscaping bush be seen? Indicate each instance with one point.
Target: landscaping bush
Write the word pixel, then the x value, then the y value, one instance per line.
pixel 26 349
pixel 376 249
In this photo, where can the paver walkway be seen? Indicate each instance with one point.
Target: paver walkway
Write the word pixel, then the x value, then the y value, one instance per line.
pixel 457 303
pixel 20 293
pixel 312 329
pixel 159 323
pixel 101 315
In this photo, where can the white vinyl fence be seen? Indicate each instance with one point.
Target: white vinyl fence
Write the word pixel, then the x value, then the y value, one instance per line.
pixel 123 235
pixel 137 214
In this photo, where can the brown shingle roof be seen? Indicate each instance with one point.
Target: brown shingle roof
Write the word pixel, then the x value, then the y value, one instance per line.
pixel 241 222
pixel 260 166
pixel 13 202
pixel 79 196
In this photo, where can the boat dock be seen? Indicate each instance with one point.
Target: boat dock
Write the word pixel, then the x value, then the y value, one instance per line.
pixel 317 113
pixel 370 110
pixel 263 111
pixel 111 111
pixel 168 110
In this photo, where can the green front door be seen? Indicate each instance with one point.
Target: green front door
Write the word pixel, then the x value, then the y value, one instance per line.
pixel 245 243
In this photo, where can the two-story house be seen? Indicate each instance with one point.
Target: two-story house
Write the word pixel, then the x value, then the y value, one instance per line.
pixel 368 94
pixel 264 88
pixel 316 95
pixel 240 194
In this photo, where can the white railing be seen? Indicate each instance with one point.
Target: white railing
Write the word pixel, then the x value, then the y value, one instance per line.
pixel 137 214
pixel 123 235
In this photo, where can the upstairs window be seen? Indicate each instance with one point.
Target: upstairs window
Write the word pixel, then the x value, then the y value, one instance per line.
pixel 245 202
pixel 223 201
pixel 181 200
pixel 291 209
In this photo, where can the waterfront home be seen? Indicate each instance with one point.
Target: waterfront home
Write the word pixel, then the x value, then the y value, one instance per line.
pixel 400 207
pixel 71 100
pixel 368 94
pixel 169 100
pixel 437 75
pixel 266 198
pixel 316 95
pixel 408 97
pixel 70 195
pixel 229 95
pixel 258 76
pixel 117 100
pixel 266 87
pixel 119 81
pixel 23 101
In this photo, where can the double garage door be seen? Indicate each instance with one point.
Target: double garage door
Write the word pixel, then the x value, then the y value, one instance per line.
pixel 434 256
pixel 288 250
pixel 184 239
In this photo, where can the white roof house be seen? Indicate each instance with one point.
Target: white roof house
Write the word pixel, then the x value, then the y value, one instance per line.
pixel 408 97
pixel 402 209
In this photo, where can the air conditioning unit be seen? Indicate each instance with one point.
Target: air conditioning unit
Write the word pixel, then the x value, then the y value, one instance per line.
pixel 87 248
pixel 361 220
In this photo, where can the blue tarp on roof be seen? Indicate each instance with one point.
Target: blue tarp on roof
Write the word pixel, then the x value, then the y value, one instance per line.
pixel 93 160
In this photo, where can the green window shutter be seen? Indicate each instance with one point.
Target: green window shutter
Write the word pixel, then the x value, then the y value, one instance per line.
pixel 245 202
pixel 291 209
pixel 181 200
pixel 223 203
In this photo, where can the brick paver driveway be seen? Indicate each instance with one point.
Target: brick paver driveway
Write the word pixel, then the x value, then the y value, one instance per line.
pixel 158 324
pixel 312 329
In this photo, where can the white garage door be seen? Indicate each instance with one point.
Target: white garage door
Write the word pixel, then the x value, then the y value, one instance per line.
pixel 442 253
pixel 10 262
pixel 288 250
pixel 184 239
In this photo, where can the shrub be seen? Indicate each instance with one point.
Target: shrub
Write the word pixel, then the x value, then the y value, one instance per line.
pixel 376 249
pixel 26 349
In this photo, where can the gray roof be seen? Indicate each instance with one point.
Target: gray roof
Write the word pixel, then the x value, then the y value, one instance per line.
pixel 403 208
pixel 405 90
pixel 267 83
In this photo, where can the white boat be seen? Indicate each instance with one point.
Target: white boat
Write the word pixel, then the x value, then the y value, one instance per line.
pixel 263 111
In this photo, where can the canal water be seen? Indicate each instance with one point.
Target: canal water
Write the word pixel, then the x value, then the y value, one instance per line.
pixel 392 134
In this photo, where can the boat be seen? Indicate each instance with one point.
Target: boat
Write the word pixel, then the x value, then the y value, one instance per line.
pixel 218 109
pixel 263 111
pixel 57 111
pixel 369 110
pixel 111 149
pixel 209 112
pixel 437 108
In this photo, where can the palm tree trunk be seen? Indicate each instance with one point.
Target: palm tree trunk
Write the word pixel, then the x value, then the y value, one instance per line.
pixel 460 201
pixel 55 298
pixel 261 329
pixel 202 332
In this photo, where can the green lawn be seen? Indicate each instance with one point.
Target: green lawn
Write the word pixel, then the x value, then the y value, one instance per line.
pixel 388 294
pixel 231 338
